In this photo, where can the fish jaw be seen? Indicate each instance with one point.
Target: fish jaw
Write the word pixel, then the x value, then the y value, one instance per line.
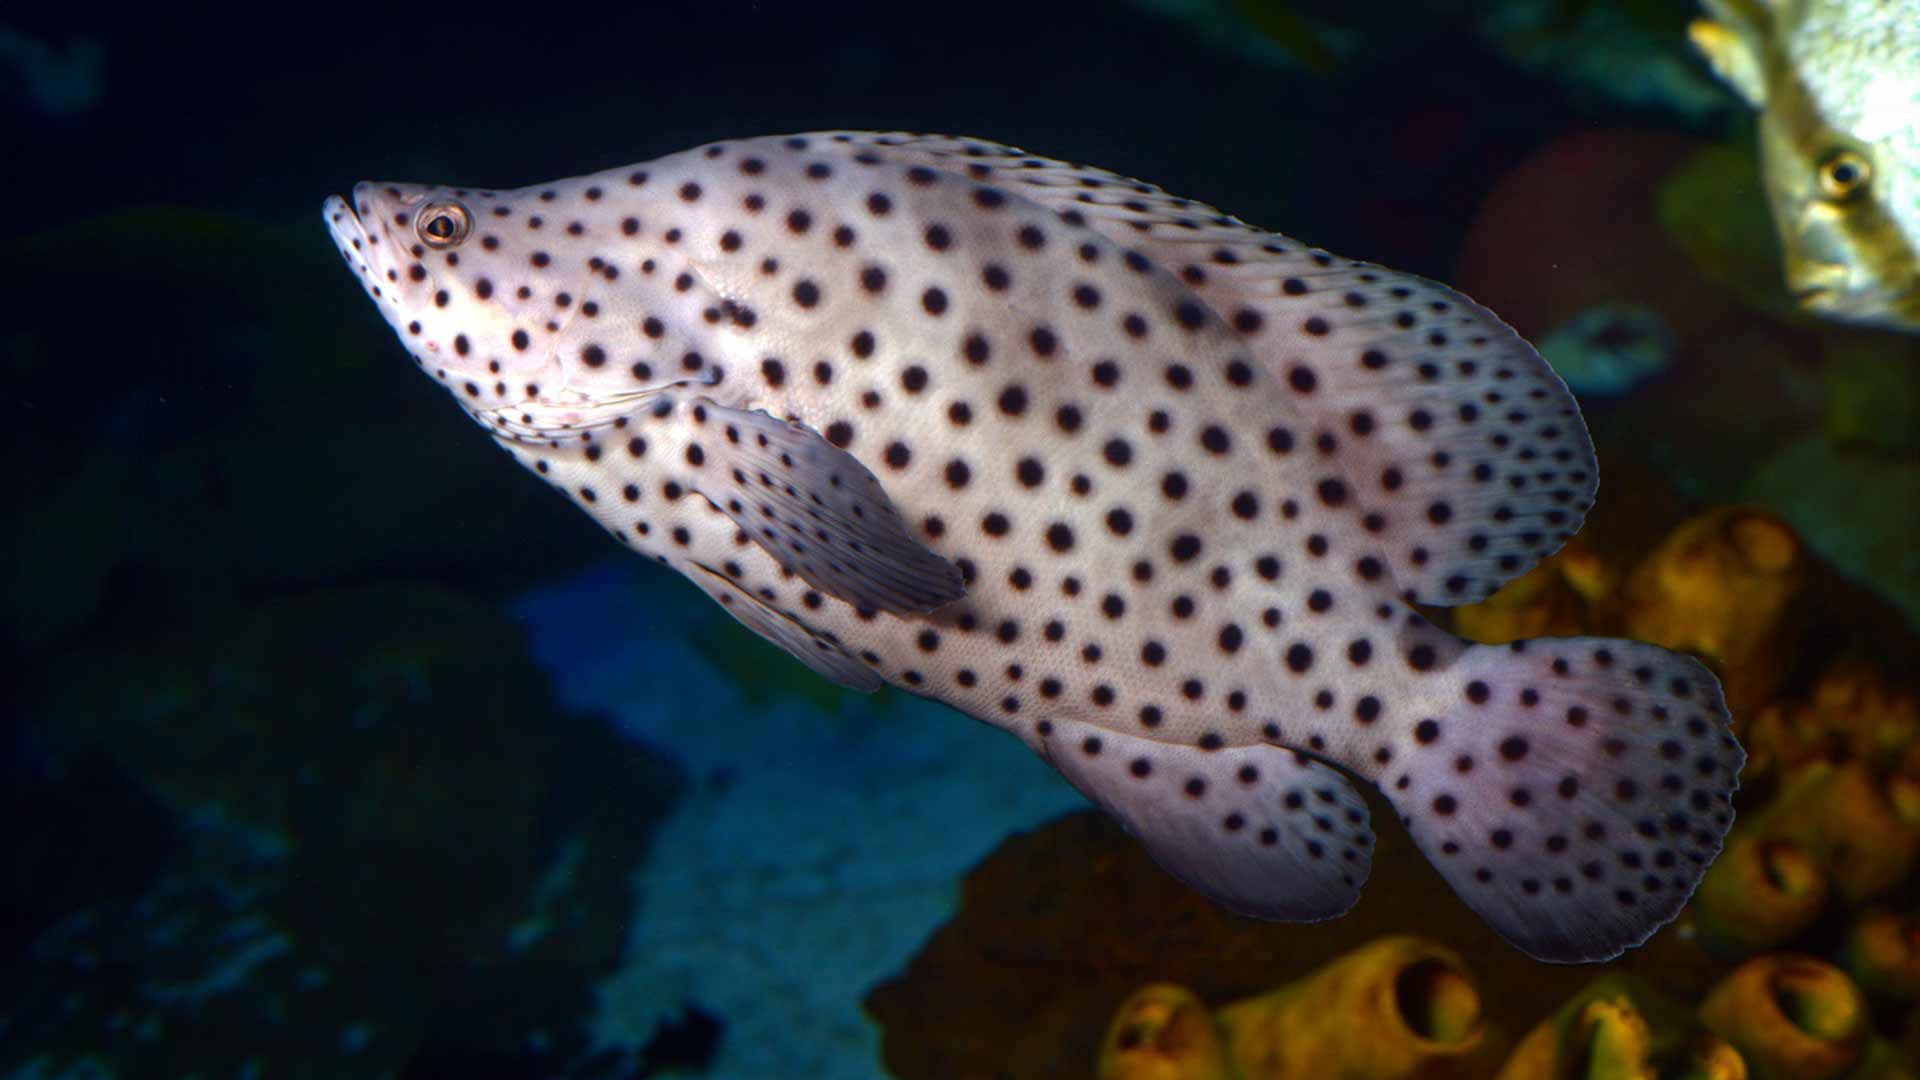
pixel 1839 266
pixel 1850 301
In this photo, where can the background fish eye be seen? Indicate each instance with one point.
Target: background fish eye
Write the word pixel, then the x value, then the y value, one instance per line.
pixel 1843 174
pixel 443 224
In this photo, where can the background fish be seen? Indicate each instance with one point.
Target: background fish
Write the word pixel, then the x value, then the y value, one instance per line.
pixel 1141 484
pixel 1838 86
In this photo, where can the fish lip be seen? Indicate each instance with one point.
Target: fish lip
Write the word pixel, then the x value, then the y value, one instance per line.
pixel 1816 297
pixel 340 215
pixel 1878 306
pixel 1825 297
pixel 348 231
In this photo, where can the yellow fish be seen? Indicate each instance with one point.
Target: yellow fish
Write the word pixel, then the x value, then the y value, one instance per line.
pixel 1838 86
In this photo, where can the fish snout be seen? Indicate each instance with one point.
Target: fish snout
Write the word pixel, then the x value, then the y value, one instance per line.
pixel 349 236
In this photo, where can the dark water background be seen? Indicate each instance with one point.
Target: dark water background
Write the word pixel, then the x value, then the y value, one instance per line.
pixel 262 663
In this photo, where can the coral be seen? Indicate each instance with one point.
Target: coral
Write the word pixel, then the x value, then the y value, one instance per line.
pixel 1551 600
pixel 1059 925
pixel 1163 1032
pixel 1883 954
pixel 1854 711
pixel 1735 586
pixel 1397 1007
pixel 1622 1028
pixel 1719 586
pixel 1758 894
pixel 1853 822
pixel 1792 1017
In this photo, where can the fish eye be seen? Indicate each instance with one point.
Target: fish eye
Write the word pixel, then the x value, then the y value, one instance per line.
pixel 1843 174
pixel 442 224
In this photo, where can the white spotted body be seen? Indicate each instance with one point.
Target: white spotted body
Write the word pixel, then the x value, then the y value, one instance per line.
pixel 1139 483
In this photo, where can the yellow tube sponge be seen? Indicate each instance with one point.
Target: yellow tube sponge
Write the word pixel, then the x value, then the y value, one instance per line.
pixel 1163 1032
pixel 1792 1017
pixel 1758 894
pixel 1883 955
pixel 1852 821
pixel 1620 1028
pixel 1720 585
pixel 1853 711
pixel 1550 600
pixel 1399 1007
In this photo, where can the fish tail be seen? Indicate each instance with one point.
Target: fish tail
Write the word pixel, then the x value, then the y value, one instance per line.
pixel 1571 790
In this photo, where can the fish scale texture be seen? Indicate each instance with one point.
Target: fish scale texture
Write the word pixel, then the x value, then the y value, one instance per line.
pixel 1143 485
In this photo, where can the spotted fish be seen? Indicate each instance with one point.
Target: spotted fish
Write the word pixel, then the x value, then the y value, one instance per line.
pixel 1147 487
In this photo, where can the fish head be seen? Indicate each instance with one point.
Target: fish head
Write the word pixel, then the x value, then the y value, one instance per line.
pixel 1843 183
pixel 1843 253
pixel 504 297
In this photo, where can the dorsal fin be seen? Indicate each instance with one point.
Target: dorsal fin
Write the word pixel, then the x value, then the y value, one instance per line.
pixel 1458 433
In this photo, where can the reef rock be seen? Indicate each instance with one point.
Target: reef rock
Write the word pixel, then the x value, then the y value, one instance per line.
pixel 390 842
pixel 1060 925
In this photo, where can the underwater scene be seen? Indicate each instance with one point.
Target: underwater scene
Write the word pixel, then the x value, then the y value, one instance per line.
pixel 1431 490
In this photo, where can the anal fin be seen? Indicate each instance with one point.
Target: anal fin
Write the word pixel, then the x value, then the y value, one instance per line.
pixel 1258 829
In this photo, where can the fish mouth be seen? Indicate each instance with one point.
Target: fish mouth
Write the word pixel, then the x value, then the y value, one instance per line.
pixel 1816 297
pixel 1880 306
pixel 349 235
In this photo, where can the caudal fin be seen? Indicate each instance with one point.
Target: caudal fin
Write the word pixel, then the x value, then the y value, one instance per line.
pixel 1575 790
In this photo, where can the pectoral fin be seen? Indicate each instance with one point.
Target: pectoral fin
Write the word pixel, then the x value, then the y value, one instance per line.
pixel 820 513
